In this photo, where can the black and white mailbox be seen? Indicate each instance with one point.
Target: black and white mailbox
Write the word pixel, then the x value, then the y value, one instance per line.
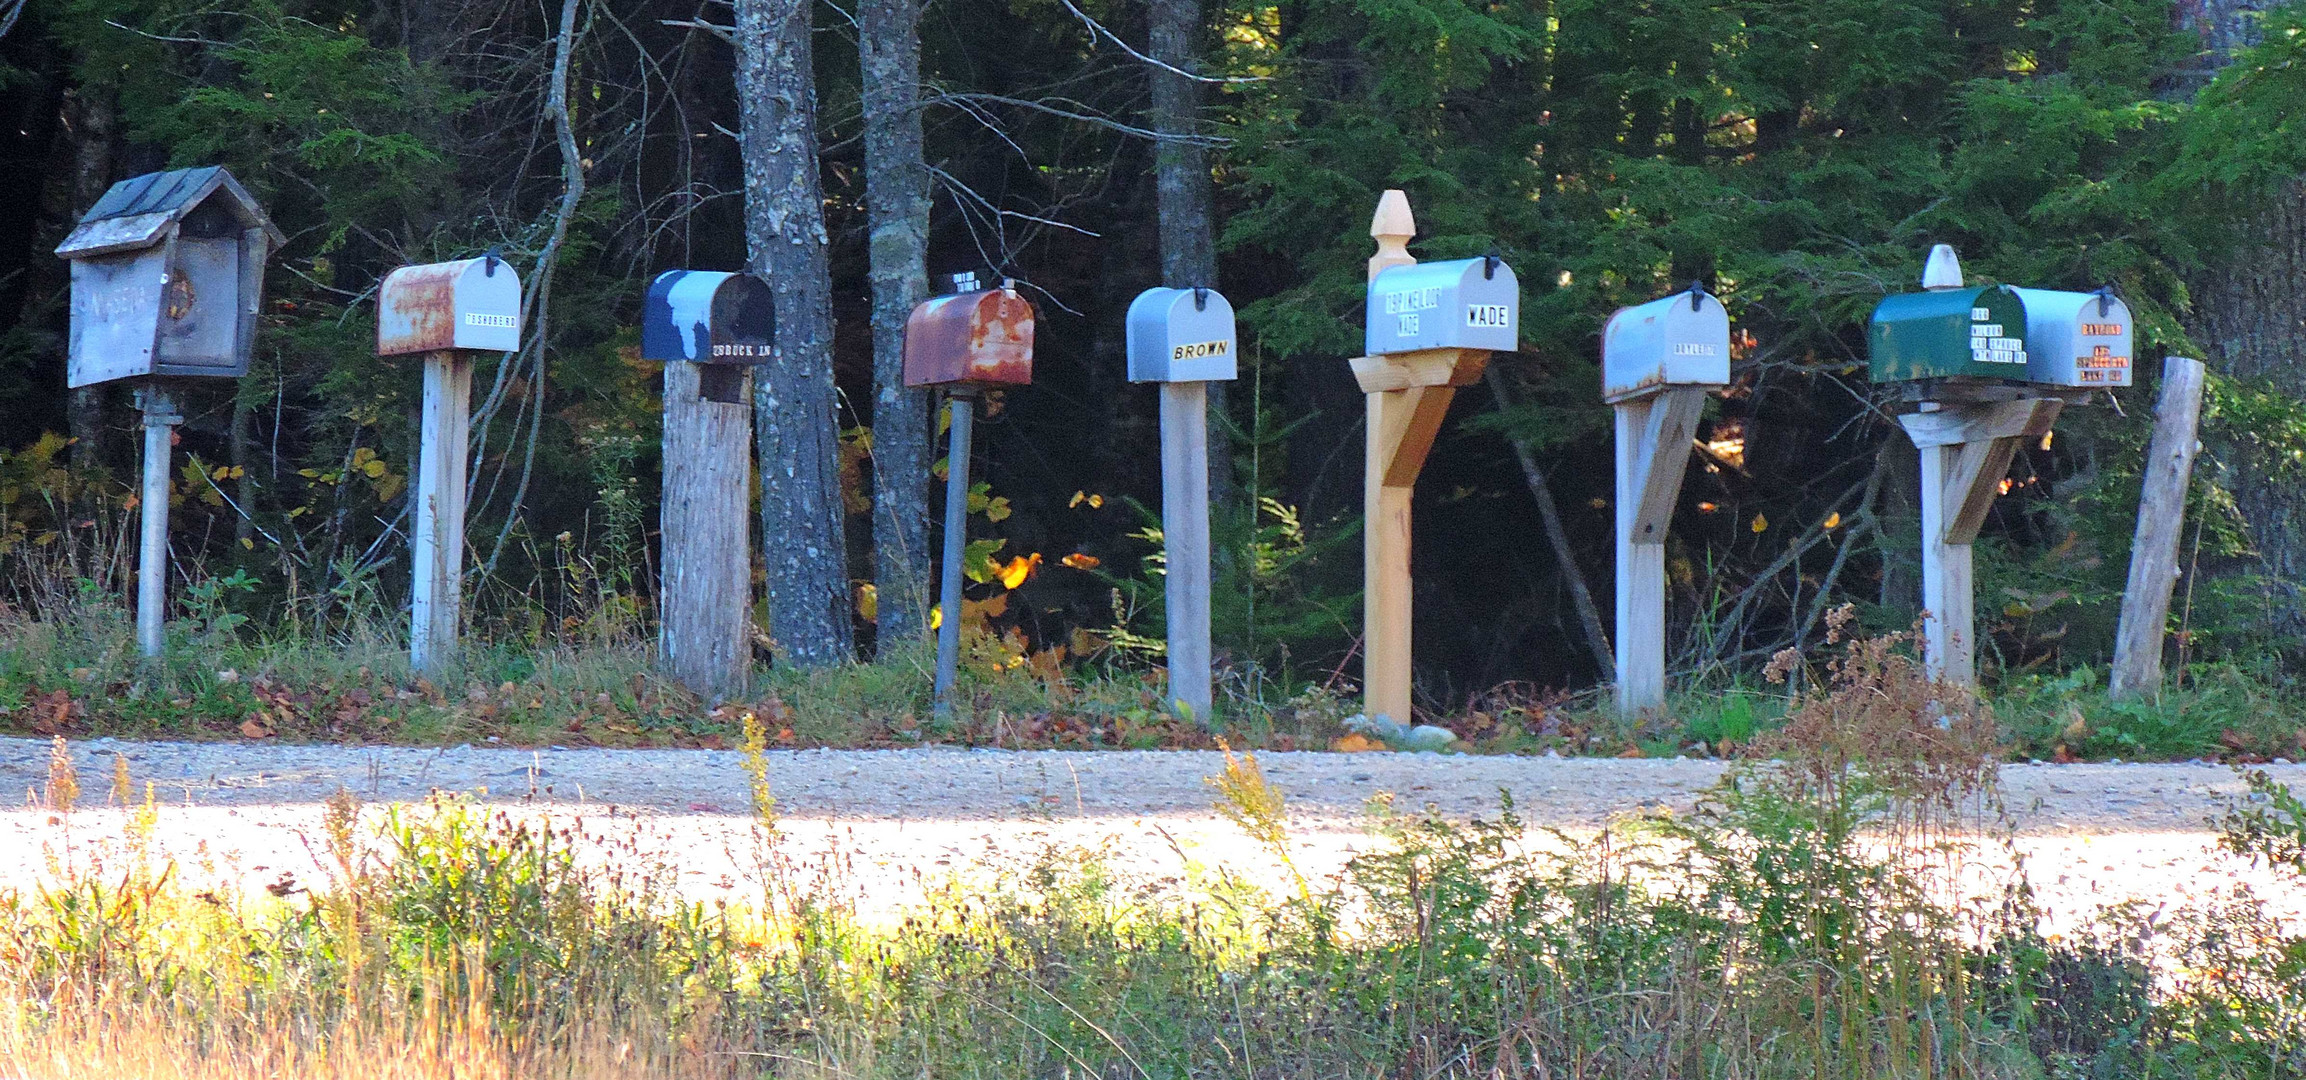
pixel 445 312
pixel 2076 339
pixel 1658 360
pixel 167 277
pixel 1184 339
pixel 1460 304
pixel 725 321
pixel 709 328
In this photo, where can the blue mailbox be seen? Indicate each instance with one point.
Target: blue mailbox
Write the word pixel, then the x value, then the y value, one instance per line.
pixel 1461 304
pixel 2076 339
pixel 1681 340
pixel 1182 335
pixel 709 317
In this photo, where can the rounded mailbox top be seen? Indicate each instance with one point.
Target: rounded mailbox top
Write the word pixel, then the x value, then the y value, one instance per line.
pixel 468 304
pixel 1461 303
pixel 709 316
pixel 1677 340
pixel 1978 332
pixel 1182 335
pixel 981 338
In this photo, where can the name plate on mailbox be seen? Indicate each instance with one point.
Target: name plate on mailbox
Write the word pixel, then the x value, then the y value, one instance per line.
pixel 471 304
pixel 1461 304
pixel 1972 332
pixel 1681 340
pixel 983 337
pixel 709 317
pixel 1182 335
pixel 2076 339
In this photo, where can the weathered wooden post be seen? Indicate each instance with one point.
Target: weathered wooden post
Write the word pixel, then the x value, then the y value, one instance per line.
pixel 965 341
pixel 1658 360
pixel 2161 517
pixel 1429 329
pixel 445 312
pixel 1982 368
pixel 1184 339
pixel 708 328
pixel 167 277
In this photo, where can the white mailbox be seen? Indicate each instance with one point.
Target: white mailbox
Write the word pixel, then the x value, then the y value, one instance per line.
pixel 1182 335
pixel 1462 304
pixel 167 273
pixel 1680 340
pixel 2076 339
pixel 469 304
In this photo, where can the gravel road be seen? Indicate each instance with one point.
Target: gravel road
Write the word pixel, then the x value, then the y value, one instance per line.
pixel 893 821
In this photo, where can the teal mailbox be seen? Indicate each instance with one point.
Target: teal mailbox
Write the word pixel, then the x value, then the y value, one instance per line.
pixel 1974 332
pixel 2076 339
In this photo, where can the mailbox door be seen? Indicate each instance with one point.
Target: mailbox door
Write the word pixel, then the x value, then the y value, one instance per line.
pixel 978 338
pixel 488 308
pixel 1974 332
pixel 2077 339
pixel 115 316
pixel 1463 303
pixel 744 321
pixel 200 310
pixel 1171 339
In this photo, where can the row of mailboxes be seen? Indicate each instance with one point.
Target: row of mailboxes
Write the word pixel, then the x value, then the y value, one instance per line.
pixel 1456 304
pixel 2044 336
pixel 167 277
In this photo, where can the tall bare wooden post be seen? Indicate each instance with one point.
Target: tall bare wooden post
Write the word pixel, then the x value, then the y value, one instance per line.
pixel 436 594
pixel 1653 440
pixel 1966 448
pixel 705 608
pixel 444 312
pixel 1408 387
pixel 160 419
pixel 2161 517
pixel 1184 339
pixel 963 404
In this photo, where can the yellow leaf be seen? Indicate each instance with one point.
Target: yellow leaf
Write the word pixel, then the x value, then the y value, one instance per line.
pixel 1019 569
pixel 868 602
pixel 1760 523
pixel 222 472
pixel 248 543
pixel 1599 504
pixel 936 616
pixel 1355 742
pixel 1079 561
pixel 237 473
pixel 1078 498
pixel 1833 520
pixel 1096 502
pixel 373 468
pixel 362 456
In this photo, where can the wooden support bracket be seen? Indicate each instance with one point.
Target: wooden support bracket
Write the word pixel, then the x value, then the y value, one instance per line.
pixel 1966 451
pixel 1653 446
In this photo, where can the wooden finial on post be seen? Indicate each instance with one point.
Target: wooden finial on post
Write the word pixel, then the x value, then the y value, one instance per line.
pixel 1392 226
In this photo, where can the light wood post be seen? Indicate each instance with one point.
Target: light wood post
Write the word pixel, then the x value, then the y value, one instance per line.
pixel 160 420
pixel 964 413
pixel 707 581
pixel 2161 516
pixel 1653 440
pixel 437 596
pixel 1408 396
pixel 1185 542
pixel 1966 449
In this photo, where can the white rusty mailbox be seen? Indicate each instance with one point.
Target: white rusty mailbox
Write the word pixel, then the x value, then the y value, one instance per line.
pixel 470 304
pixel 1680 340
pixel 2076 339
pixel 167 273
pixel 1182 335
pixel 1462 304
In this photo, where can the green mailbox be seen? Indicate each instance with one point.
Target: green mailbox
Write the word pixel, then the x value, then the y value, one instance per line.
pixel 1976 332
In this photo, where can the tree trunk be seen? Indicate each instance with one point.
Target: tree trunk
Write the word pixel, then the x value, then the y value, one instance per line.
pixel 2250 305
pixel 793 406
pixel 1187 196
pixel 91 112
pixel 897 212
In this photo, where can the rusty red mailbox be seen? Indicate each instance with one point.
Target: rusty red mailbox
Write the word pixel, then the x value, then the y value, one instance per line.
pixel 970 337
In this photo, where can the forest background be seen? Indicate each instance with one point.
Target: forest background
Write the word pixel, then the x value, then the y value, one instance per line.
pixel 1797 157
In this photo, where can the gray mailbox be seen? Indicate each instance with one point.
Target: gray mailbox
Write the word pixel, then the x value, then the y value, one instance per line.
pixel 2076 339
pixel 469 304
pixel 167 274
pixel 1182 335
pixel 709 317
pixel 1681 340
pixel 1462 304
